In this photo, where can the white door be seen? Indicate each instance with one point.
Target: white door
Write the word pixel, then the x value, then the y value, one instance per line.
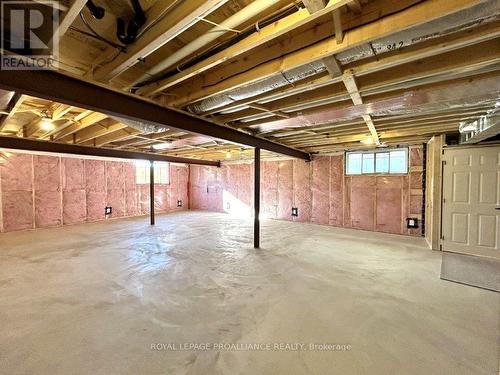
pixel 471 205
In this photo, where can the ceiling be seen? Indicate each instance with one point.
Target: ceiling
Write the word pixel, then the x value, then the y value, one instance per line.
pixel 313 76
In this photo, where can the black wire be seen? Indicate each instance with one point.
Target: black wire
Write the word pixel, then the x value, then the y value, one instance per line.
pixel 99 37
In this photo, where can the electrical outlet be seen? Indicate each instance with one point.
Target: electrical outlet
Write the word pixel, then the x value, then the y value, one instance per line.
pixel 412 222
pixel 108 210
pixel 179 203
pixel 295 211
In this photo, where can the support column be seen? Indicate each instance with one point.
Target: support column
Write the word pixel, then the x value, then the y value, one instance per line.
pixel 256 199
pixel 152 191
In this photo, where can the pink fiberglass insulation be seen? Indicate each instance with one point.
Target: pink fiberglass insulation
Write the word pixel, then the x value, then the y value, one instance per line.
pixel 182 187
pixel 347 202
pixel 95 180
pixel 17 192
pixel 302 189
pixel 415 180
pixel 95 175
pixel 196 189
pixel 363 202
pixel 115 188
pixel 42 191
pixel 269 189
pixel 415 204
pixel 74 194
pixel 245 186
pixel 161 197
pixel 144 203
pixel 47 183
pixel 17 173
pixel 74 206
pixel 320 188
pixel 213 190
pixel 285 190
pixel 336 209
pixel 389 204
pixel 131 206
pixel 17 210
pixel 416 156
pixel 178 175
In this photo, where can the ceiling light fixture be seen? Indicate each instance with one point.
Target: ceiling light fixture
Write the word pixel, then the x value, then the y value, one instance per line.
pixel 161 146
pixel 46 124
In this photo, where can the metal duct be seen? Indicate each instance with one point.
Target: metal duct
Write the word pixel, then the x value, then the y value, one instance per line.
pixel 463 20
pixel 143 127
pixel 480 14
pixel 278 80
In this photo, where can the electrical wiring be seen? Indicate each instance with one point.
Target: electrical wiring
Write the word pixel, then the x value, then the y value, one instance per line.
pixel 96 35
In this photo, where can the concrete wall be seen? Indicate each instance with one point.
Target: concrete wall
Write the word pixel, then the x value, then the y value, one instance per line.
pixel 320 190
pixel 39 191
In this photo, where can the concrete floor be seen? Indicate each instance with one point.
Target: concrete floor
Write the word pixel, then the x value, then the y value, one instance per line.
pixel 91 299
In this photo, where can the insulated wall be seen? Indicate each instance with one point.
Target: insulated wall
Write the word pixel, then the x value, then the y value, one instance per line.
pixel 320 190
pixel 40 191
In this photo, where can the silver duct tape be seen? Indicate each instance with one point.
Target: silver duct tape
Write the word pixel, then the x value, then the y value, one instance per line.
pixel 143 127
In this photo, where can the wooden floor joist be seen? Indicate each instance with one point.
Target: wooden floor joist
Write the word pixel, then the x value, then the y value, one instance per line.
pixel 250 95
pixel 414 16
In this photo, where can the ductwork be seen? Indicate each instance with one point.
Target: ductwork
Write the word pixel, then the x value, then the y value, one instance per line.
pixel 142 126
pixel 276 81
pixel 252 10
pixel 459 21
pixel 480 14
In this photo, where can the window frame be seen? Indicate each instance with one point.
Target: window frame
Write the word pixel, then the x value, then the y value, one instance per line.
pixel 145 167
pixel 374 152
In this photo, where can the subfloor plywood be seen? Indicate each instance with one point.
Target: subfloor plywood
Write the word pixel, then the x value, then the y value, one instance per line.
pixel 93 298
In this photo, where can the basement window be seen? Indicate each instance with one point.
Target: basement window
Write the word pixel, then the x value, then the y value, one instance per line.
pixel 162 172
pixel 377 162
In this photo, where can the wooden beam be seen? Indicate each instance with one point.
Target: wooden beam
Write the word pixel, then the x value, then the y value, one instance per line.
pixel 386 61
pixel 337 24
pixel 416 15
pixel 265 36
pixel 68 123
pixel 115 136
pixel 15 102
pixel 97 131
pixel 69 17
pixel 85 122
pixel 480 88
pixel 70 90
pixel 14 143
pixel 182 17
pixel 466 61
pixel 60 111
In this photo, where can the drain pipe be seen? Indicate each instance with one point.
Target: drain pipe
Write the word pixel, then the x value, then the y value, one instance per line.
pixel 250 11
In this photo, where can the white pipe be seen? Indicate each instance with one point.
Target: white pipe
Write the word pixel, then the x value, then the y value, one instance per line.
pixel 232 22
